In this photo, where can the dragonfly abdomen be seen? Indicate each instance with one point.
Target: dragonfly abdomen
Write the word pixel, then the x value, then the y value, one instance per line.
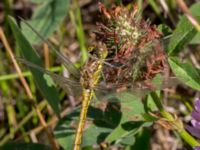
pixel 87 96
pixel 89 79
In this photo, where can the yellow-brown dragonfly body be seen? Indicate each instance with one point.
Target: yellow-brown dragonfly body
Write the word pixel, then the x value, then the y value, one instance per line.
pixel 89 79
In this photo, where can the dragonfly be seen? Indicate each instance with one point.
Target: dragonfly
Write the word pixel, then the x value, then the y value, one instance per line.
pixel 92 78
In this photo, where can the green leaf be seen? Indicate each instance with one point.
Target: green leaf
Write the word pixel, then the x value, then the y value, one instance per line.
pixel 184 32
pixel 128 140
pixel 46 18
pixel 119 122
pixel 49 80
pixel 195 11
pixel 142 140
pixel 88 148
pixel 49 92
pixel 24 146
pixel 164 29
pixel 64 134
pixel 39 1
pixel 185 72
pixel 131 106
pixel 119 133
pixel 196 39
pixel 150 104
pixel 92 135
pixel 132 111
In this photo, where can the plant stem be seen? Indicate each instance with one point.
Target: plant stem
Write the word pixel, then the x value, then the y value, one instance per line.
pixel 75 16
pixel 188 138
pixel 158 103
pixel 25 74
pixel 155 7
pixel 176 124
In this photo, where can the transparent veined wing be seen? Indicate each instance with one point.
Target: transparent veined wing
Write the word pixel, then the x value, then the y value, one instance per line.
pixel 63 82
pixel 127 96
pixel 139 88
pixel 65 60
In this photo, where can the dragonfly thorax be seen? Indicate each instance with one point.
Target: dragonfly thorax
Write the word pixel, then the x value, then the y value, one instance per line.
pixel 92 69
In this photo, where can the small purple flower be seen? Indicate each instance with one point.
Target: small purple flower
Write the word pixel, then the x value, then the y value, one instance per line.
pixel 196 148
pixel 194 129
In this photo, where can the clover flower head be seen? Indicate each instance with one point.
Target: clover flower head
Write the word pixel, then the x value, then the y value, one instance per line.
pixel 133 45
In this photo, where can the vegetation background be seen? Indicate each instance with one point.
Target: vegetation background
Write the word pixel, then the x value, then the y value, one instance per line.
pixel 28 116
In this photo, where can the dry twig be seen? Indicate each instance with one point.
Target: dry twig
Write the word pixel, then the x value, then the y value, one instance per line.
pixel 188 14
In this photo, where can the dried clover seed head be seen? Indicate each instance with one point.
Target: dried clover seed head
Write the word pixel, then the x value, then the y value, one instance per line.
pixel 132 43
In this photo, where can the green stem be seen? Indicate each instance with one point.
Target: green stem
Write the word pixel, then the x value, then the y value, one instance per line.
pixel 156 9
pixel 25 74
pixel 75 16
pixel 188 138
pixel 159 105
pixel 176 124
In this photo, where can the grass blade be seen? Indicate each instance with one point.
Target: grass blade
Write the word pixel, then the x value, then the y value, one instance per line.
pixel 49 92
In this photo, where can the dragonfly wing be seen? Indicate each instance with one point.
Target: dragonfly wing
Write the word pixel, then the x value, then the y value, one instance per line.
pixel 166 83
pixel 129 99
pixel 139 89
pixel 69 86
pixel 157 83
pixel 63 82
pixel 113 93
pixel 128 104
pixel 65 60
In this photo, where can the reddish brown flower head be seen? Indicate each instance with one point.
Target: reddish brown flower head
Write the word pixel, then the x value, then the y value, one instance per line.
pixel 133 45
